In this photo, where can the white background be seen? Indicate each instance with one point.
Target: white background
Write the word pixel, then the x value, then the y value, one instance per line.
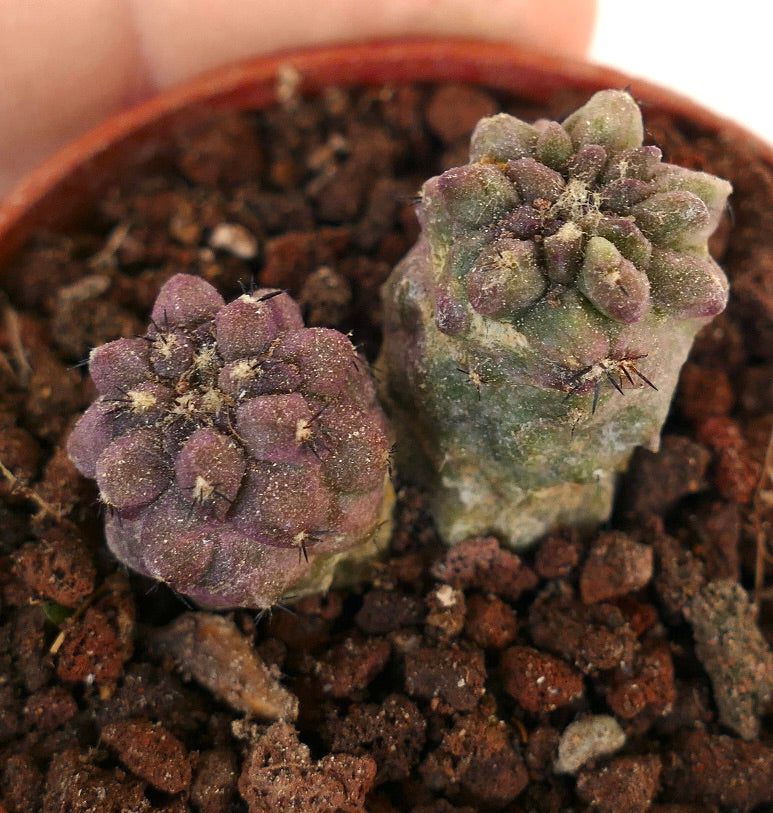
pixel 718 53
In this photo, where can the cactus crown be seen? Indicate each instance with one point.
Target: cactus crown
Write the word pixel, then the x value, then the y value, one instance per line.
pixel 566 234
pixel 239 454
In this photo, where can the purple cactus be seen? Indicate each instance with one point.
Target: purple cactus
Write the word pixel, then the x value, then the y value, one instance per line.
pixel 564 266
pixel 241 456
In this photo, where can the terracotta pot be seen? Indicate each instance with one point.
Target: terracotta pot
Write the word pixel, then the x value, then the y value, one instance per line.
pixel 72 179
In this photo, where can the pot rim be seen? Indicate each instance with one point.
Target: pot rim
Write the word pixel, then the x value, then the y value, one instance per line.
pixel 53 193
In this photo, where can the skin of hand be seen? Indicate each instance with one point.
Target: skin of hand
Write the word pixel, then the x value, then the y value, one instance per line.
pixel 65 65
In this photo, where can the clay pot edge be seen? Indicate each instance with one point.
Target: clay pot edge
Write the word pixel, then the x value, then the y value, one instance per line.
pixel 54 193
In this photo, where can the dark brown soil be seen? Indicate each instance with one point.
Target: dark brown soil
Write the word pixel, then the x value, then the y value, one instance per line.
pixel 447 683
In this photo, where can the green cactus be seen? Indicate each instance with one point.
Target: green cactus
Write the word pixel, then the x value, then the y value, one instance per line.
pixel 535 333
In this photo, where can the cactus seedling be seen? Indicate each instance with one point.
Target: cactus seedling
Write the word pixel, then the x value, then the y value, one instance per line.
pixel 535 333
pixel 242 457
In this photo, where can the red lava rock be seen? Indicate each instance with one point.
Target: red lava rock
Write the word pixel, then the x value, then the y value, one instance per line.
pixel 556 557
pixel 213 789
pixel 74 784
pixel 704 392
pixel 341 188
pixel 625 785
pixel 455 675
pixel 445 612
pixel 49 708
pixel 539 682
pixel 84 319
pixel 680 573
pixel 155 693
pixel 96 645
pixel 481 563
pixel 717 526
pixel 655 481
pixel 639 615
pixel 222 150
pixel 352 665
pixel 693 708
pixel 649 686
pixel 384 611
pixel 442 806
pixel 278 774
pixel 150 752
pixel 541 749
pixel 30 647
pixel 491 623
pixel 20 453
pixel 477 762
pixel 408 569
pixel 325 298
pixel 304 633
pixel 271 178
pixel 21 784
pixel 327 606
pixel 290 257
pixel 616 565
pixel 62 487
pixel 385 200
pixel 757 389
pixel 54 394
pixel 453 111
pixel 736 474
pixel 718 770
pixel 393 733
pixel 593 637
pixel 58 567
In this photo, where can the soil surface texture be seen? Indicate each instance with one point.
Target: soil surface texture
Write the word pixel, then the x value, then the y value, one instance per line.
pixel 623 672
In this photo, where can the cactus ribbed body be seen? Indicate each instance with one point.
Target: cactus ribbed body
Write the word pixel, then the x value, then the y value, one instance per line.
pixel 535 333
pixel 242 458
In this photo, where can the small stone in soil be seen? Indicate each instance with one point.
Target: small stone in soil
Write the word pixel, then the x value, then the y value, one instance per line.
pixel 75 784
pixel 210 648
pixel 385 611
pixel 393 733
pixel 213 789
pixel 325 298
pixel 150 752
pixel 586 739
pixel 616 565
pixel 491 623
pixel 556 557
pixel 452 674
pixel 278 774
pixel 445 612
pixel 476 762
pixel 734 653
pixel 649 686
pixel 58 567
pixel 715 770
pixel 626 784
pixel 593 637
pixel 351 665
pixel 481 563
pixel 537 681
pixel 655 481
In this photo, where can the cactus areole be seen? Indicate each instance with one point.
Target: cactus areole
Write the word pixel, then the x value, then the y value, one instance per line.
pixel 535 333
pixel 242 458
